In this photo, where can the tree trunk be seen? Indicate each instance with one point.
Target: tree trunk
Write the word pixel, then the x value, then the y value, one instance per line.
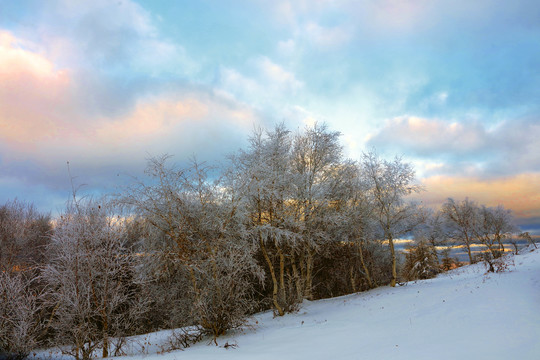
pixel 309 275
pixel 353 279
pixel 298 281
pixel 490 247
pixel 394 265
pixel 501 246
pixel 364 266
pixel 282 291
pixel 279 309
pixel 467 243
pixel 105 338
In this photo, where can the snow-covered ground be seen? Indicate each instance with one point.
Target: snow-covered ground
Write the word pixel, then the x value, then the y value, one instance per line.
pixel 462 314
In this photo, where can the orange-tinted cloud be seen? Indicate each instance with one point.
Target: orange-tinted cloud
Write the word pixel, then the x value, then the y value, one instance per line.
pixel 35 97
pixel 43 117
pixel 182 124
pixel 431 135
pixel 521 192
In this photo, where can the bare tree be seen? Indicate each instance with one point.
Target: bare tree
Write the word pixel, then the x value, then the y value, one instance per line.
pixel 503 225
pixel 432 231
pixel 24 232
pixel 389 183
pixel 461 218
pixel 20 307
pixel 484 229
pixel 528 237
pixel 495 225
pixel 89 278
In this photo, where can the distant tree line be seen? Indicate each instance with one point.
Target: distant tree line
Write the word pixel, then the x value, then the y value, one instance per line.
pixel 289 218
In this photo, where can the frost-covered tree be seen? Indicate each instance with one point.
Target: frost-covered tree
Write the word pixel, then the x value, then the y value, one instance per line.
pixel 389 183
pixel 319 178
pixel 196 232
pixel 356 222
pixel 89 278
pixel 23 234
pixel 266 190
pixel 20 307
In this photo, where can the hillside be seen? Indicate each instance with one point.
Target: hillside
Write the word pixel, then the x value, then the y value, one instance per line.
pixel 462 314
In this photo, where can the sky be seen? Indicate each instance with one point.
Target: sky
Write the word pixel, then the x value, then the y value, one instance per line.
pixel 452 86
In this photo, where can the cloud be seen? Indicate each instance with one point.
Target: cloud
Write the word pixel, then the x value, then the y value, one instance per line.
pixel 102 151
pixel 109 37
pixel 518 192
pixel 326 37
pixel 266 83
pixel 277 77
pixel 97 85
pixel 291 12
pixel 35 97
pixel 505 149
pixel 497 164
pixel 44 122
pixel 430 136
pixel 112 51
pixel 102 80
pixel 320 24
pixel 182 123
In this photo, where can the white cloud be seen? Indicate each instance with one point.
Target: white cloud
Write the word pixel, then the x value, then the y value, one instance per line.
pixel 126 13
pixel 109 36
pixel 429 136
pixel 277 77
pixel 442 97
pixel 325 37
pixel 268 83
pixel 466 148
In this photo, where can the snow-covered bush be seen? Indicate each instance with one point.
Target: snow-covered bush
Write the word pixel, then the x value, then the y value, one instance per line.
pixel 496 264
pixel 223 288
pixel 421 262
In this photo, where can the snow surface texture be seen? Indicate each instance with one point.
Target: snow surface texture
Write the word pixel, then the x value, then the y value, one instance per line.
pixel 462 314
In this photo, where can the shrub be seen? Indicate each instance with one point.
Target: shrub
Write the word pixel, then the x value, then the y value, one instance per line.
pixel 420 262
pixel 19 311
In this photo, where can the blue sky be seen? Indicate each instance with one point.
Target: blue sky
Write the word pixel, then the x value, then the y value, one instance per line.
pixel 453 86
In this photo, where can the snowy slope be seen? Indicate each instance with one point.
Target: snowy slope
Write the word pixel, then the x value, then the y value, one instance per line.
pixel 463 314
